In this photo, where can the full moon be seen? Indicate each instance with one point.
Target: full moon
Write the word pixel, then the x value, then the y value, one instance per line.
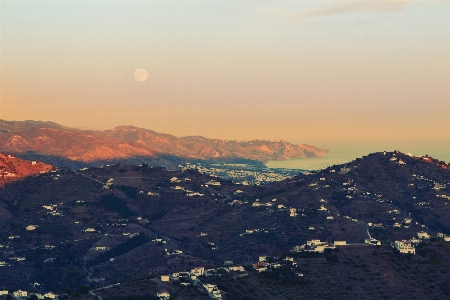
pixel 140 75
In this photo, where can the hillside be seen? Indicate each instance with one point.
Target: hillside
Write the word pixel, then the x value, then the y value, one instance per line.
pixel 75 148
pixel 117 211
pixel 13 168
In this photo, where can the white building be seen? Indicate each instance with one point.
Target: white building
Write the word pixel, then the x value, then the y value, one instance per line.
pixel 198 271
pixel 51 295
pixel 31 227
pixel 292 212
pixel 163 295
pixel 423 235
pixel 404 247
pixel 20 293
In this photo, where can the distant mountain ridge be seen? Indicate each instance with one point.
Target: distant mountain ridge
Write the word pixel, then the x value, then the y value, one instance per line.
pixel 37 139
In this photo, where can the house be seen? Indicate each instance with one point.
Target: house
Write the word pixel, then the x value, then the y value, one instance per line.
pixel 373 241
pixel 404 247
pixel 51 295
pixel 315 243
pixel 292 212
pixel 262 258
pixel 415 241
pixel 236 269
pixel 217 183
pixel 194 194
pixel 31 227
pixel 260 266
pixel 209 287
pixel 198 271
pixel 163 295
pixel 101 248
pixel 423 235
pixel 20 293
pixel 322 208
pixel 340 243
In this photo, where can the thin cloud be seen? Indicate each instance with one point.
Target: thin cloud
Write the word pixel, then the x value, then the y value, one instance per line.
pixel 342 7
pixel 355 6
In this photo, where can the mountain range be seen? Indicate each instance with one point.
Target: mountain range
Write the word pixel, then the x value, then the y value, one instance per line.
pixel 72 147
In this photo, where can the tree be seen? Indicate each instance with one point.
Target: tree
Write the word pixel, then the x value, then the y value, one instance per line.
pixel 83 289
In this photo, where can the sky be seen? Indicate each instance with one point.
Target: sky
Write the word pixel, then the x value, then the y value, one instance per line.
pixel 304 71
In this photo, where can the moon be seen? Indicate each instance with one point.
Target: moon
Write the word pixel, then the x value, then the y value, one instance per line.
pixel 140 75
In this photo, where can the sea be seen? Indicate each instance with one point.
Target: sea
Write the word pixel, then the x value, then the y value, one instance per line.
pixel 343 152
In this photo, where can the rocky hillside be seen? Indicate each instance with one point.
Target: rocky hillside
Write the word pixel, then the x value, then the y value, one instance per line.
pixel 60 145
pixel 63 219
pixel 12 168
